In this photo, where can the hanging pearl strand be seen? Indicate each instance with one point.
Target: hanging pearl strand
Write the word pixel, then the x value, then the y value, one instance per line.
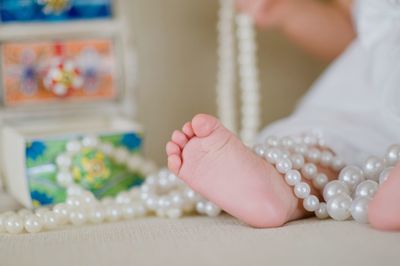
pixel 162 194
pixel 348 196
pixel 249 84
pixel 226 68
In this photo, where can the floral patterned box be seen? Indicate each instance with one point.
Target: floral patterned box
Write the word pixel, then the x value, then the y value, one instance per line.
pixel 31 162
pixel 58 71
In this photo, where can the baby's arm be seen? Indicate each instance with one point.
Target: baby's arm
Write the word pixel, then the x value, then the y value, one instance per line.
pixel 322 28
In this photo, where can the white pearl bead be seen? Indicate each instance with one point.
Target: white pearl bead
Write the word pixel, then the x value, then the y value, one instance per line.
pixel 128 211
pixel 385 175
pixel 74 201
pixel 63 161
pixel 151 203
pixel 73 146
pixel 64 178
pixel 367 189
pixel 96 215
pixel 87 198
pixel 372 167
pixel 33 224
pixel 287 142
pixel 337 163
pixel 113 213
pixel 326 158
pixel 190 195
pixel 322 212
pixel 176 200
pixel 41 211
pixel 339 207
pixel 272 155
pixel 61 210
pixel 212 210
pixel 123 198
pixel 3 218
pixel 201 207
pixel 90 141
pixel 74 190
pixel 309 170
pixel 310 139
pixel 301 149
pixel 260 150
pixel 77 217
pixel 351 176
pixel 174 213
pixel 292 177
pixel 140 209
pixel 24 212
pixel 297 160
pixel 333 189
pixel 311 203
pixel 359 209
pixel 14 224
pixel 302 190
pixel 392 155
pixel 320 180
pixel 163 203
pixel 50 220
pixel 272 141
pixel 313 155
pixel 283 165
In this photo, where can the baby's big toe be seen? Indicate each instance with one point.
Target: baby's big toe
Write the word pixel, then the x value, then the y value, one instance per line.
pixel 203 125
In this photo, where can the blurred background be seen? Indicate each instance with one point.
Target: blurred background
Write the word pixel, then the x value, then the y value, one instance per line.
pixel 176 42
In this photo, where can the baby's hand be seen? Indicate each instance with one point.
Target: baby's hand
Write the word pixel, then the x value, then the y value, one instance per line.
pixel 268 13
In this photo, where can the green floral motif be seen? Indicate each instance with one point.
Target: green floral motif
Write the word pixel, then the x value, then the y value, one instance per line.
pixel 90 168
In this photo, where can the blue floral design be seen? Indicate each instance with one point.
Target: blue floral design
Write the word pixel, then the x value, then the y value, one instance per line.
pixel 131 141
pixel 35 149
pixel 41 197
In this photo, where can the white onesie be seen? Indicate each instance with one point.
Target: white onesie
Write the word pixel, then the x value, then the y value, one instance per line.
pixel 355 104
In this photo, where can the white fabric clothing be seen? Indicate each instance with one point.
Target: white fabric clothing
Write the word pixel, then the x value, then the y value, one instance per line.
pixel 355 104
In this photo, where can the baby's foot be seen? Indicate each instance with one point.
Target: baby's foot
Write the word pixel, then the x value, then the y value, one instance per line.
pixel 384 209
pixel 212 161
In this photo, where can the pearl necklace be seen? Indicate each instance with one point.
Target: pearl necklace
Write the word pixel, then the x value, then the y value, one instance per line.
pixel 349 195
pixel 249 84
pixel 162 194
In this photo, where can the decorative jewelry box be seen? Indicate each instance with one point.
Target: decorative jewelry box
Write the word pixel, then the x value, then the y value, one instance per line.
pixel 67 73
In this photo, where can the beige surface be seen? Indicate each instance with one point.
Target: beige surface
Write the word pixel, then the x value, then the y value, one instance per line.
pixel 193 241
pixel 204 241
pixel 176 42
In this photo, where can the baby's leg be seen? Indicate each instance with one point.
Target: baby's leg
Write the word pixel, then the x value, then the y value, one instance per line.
pixel 384 209
pixel 212 161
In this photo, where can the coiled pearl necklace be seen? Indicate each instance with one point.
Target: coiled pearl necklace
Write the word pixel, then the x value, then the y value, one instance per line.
pixel 346 197
pixel 162 194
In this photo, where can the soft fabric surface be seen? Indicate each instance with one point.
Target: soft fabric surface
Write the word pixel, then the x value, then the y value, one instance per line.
pixel 203 241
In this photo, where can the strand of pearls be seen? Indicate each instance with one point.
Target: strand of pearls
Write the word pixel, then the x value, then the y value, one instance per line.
pixel 348 195
pixel 249 84
pixel 226 68
pixel 162 194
